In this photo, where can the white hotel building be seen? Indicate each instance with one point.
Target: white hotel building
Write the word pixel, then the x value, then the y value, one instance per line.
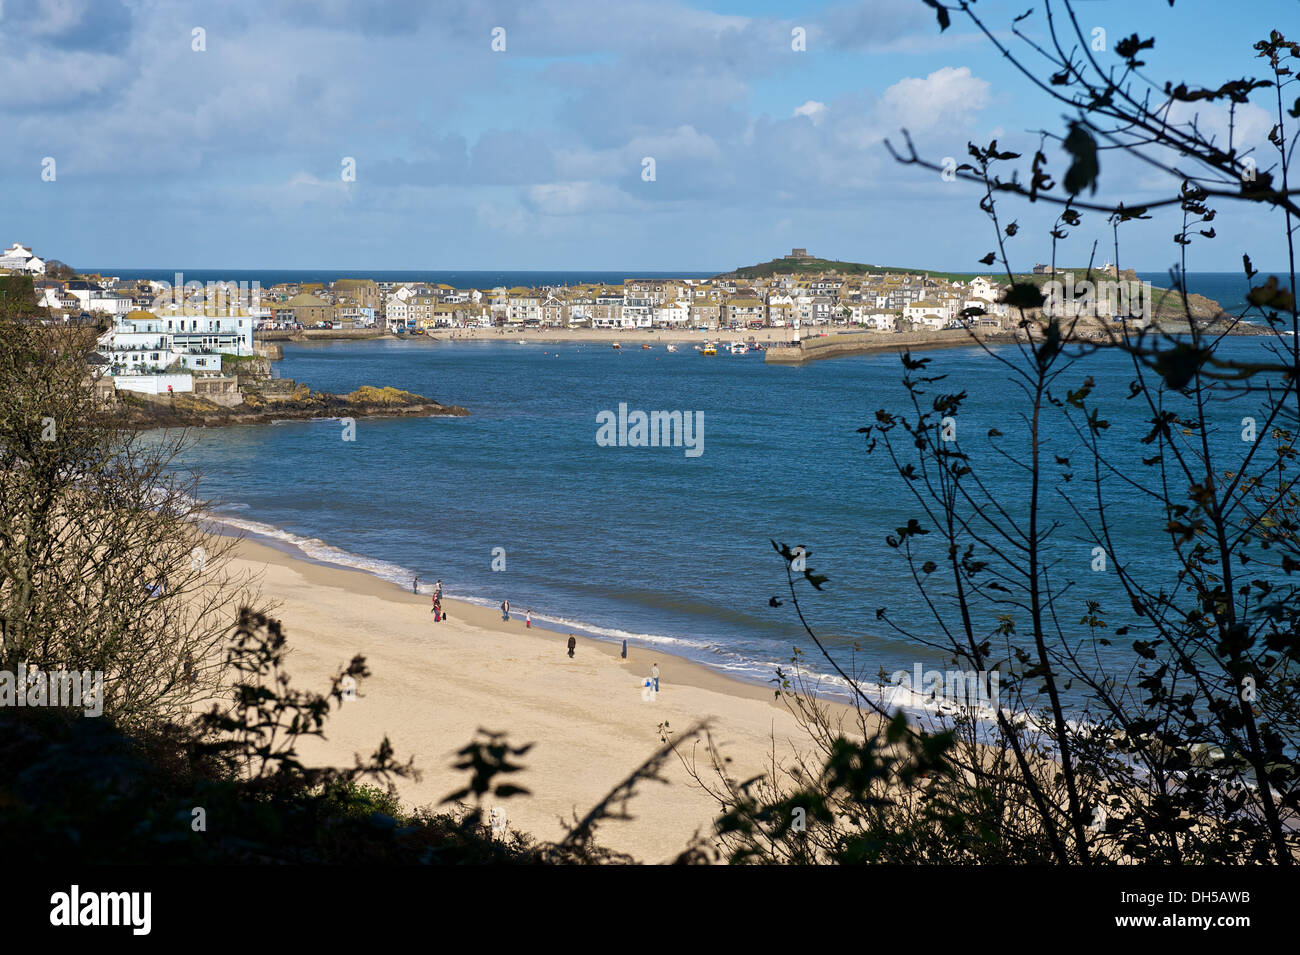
pixel 157 353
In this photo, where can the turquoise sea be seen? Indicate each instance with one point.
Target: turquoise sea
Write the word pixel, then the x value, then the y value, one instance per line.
pixel 648 543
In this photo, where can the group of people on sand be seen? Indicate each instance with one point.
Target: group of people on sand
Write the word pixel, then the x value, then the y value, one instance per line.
pixel 439 615
pixel 505 614
pixel 528 622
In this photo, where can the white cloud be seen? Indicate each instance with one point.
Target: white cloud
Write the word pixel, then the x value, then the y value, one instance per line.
pixel 683 142
pixel 948 96
pixel 814 110
pixel 575 198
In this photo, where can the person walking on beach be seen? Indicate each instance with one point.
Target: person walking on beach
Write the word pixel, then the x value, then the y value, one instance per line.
pixel 654 675
pixel 415 584
pixel 573 644
pixel 528 619
pixel 505 610
pixel 437 588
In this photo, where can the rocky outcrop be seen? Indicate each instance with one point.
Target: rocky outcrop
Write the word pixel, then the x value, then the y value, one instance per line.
pixel 138 411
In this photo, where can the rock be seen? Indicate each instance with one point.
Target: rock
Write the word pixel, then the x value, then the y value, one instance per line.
pixel 287 400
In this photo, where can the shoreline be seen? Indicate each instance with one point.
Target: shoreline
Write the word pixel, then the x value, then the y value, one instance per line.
pixel 827 688
pixel 658 338
pixel 694 673
pixel 290 550
pixel 433 685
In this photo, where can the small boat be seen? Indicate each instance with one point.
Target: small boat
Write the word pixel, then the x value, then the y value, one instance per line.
pixel 709 349
pixel 647 346
pixel 617 345
pixel 671 347
pixel 738 348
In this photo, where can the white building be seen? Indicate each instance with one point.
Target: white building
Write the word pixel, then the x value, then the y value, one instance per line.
pixel 140 347
pixel 110 302
pixel 397 313
pixel 879 320
pixel 980 287
pixel 929 313
pixel 19 258
pixel 673 314
pixel 637 313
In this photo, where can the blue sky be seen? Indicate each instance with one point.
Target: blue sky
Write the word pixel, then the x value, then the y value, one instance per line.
pixel 532 157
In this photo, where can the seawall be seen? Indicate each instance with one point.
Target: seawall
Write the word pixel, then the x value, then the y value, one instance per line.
pixel 863 343
pixel 319 334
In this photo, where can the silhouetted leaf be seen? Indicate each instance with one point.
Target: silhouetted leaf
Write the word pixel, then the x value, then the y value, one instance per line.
pixel 1023 295
pixel 1085 168
pixel 941 12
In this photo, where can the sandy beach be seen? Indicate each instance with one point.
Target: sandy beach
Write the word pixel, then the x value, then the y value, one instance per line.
pixel 434 684
pixel 607 336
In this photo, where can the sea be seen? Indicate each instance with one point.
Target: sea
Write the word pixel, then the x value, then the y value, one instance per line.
pixel 521 500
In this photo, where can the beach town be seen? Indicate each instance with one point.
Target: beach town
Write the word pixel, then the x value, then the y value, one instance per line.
pixel 170 337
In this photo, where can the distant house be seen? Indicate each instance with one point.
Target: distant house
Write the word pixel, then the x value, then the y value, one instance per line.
pixel 780 310
pixel 363 293
pixel 110 302
pixel 705 313
pixel 742 310
pixel 930 313
pixel 982 288
pixel 523 308
pixel 672 314
pixel 308 309
pixel 347 315
pixel 397 314
pixel 19 258
pixel 83 292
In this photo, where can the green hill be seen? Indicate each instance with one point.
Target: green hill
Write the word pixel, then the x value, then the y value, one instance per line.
pixel 814 266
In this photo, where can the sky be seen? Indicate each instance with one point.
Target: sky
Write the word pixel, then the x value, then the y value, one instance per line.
pixel 556 134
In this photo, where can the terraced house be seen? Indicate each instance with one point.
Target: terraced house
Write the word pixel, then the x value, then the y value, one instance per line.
pixel 523 307
pixel 742 310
